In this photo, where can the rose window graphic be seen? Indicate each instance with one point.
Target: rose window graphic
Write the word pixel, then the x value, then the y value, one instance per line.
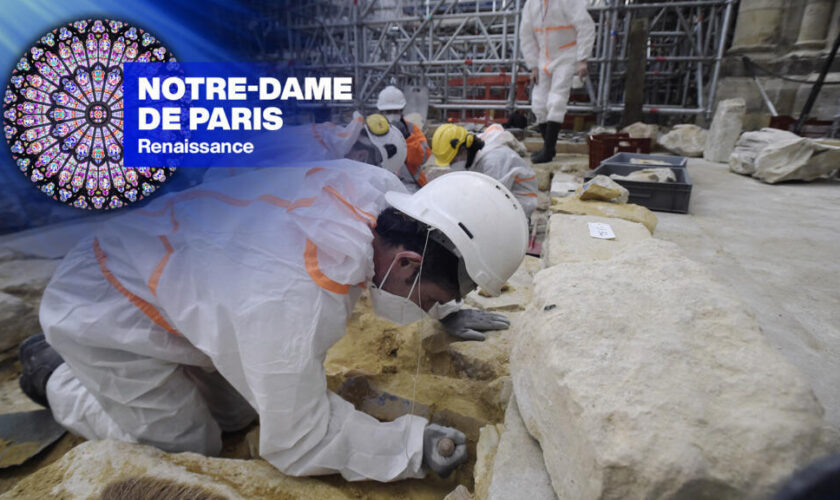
pixel 63 114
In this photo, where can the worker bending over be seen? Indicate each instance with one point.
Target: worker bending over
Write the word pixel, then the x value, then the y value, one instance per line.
pixel 488 154
pixel 391 103
pixel 190 316
pixel 556 38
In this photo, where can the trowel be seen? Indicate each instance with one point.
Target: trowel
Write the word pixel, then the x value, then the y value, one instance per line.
pixel 25 434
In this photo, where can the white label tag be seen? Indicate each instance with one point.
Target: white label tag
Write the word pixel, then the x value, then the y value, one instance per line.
pixel 601 230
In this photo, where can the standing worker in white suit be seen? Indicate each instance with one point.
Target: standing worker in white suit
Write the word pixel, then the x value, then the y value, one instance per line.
pixel 556 37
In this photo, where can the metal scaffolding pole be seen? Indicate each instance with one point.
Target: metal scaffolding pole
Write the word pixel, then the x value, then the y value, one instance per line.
pixel 467 53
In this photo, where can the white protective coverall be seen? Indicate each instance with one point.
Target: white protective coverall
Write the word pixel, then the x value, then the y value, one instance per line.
pixel 503 164
pixel 179 319
pixel 554 35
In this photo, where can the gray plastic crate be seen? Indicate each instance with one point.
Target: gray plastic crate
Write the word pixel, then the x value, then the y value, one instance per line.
pixel 625 159
pixel 658 196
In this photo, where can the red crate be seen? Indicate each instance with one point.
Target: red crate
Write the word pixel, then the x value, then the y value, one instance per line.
pixel 603 146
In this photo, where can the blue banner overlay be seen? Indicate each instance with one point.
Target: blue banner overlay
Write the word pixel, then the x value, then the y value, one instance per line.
pixel 215 114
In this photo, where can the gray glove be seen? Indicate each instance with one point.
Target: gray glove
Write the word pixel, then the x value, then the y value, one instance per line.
pixel 443 466
pixel 467 324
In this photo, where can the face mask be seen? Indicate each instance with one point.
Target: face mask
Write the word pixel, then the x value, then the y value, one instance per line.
pixel 437 312
pixel 393 117
pixel 458 165
pixel 400 310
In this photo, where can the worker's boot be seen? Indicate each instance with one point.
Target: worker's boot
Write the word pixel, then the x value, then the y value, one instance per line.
pixel 38 361
pixel 541 128
pixel 550 144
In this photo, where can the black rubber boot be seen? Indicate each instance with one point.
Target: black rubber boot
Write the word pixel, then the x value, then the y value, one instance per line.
pixel 549 147
pixel 541 128
pixel 38 361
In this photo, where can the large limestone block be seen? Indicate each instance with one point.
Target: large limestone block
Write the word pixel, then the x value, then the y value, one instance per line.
pixel 18 320
pixel 796 160
pixel 27 278
pixel 644 377
pixel 750 144
pixel 569 239
pixel 685 140
pixel 518 467
pixel 726 127
pixel 602 188
pixel 485 452
pixel 86 470
pixel 641 130
pixel 569 163
pixel 626 211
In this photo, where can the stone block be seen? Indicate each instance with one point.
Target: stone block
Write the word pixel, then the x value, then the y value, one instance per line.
pixel 685 140
pixel 569 240
pixel 644 377
pixel 727 125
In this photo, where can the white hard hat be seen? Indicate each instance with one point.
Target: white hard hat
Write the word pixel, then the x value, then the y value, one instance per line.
pixel 389 141
pixel 391 99
pixel 480 217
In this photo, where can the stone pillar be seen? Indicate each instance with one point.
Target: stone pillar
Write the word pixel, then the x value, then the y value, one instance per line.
pixel 758 25
pixel 815 23
pixel 834 27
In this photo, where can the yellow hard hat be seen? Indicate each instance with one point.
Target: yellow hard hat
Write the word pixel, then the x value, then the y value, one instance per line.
pixel 377 124
pixel 447 141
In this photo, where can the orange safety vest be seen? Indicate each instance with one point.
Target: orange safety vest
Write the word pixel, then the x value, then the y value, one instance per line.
pixel 418 152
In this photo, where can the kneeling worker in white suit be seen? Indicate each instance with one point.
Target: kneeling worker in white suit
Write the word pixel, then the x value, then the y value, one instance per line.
pixel 488 154
pixel 207 307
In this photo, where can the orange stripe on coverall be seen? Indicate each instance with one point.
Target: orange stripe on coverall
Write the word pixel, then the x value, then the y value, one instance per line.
pixel 516 178
pixel 310 259
pixel 147 308
pixel 311 264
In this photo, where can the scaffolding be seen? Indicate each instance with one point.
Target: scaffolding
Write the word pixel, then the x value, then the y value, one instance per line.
pixel 465 53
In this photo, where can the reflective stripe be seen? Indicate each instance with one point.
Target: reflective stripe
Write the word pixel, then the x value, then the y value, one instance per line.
pixel 361 214
pixel 310 253
pixel 310 258
pixel 204 193
pixel 554 28
pixel 566 46
pixel 145 307
pixel 154 279
pixel 318 136
pixel 516 178
pixel 529 195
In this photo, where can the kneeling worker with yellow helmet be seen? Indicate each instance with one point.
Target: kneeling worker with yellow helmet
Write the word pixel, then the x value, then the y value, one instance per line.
pixel 486 153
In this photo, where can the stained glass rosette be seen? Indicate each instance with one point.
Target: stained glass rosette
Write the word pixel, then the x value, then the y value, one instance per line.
pixel 63 114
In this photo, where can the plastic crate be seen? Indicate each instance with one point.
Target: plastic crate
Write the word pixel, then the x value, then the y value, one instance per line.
pixel 657 196
pixel 626 159
pixel 603 146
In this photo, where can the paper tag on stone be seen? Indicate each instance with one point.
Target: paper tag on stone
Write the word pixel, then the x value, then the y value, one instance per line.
pixel 601 231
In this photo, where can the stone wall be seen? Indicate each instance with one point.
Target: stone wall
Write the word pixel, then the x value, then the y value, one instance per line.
pixel 791 38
